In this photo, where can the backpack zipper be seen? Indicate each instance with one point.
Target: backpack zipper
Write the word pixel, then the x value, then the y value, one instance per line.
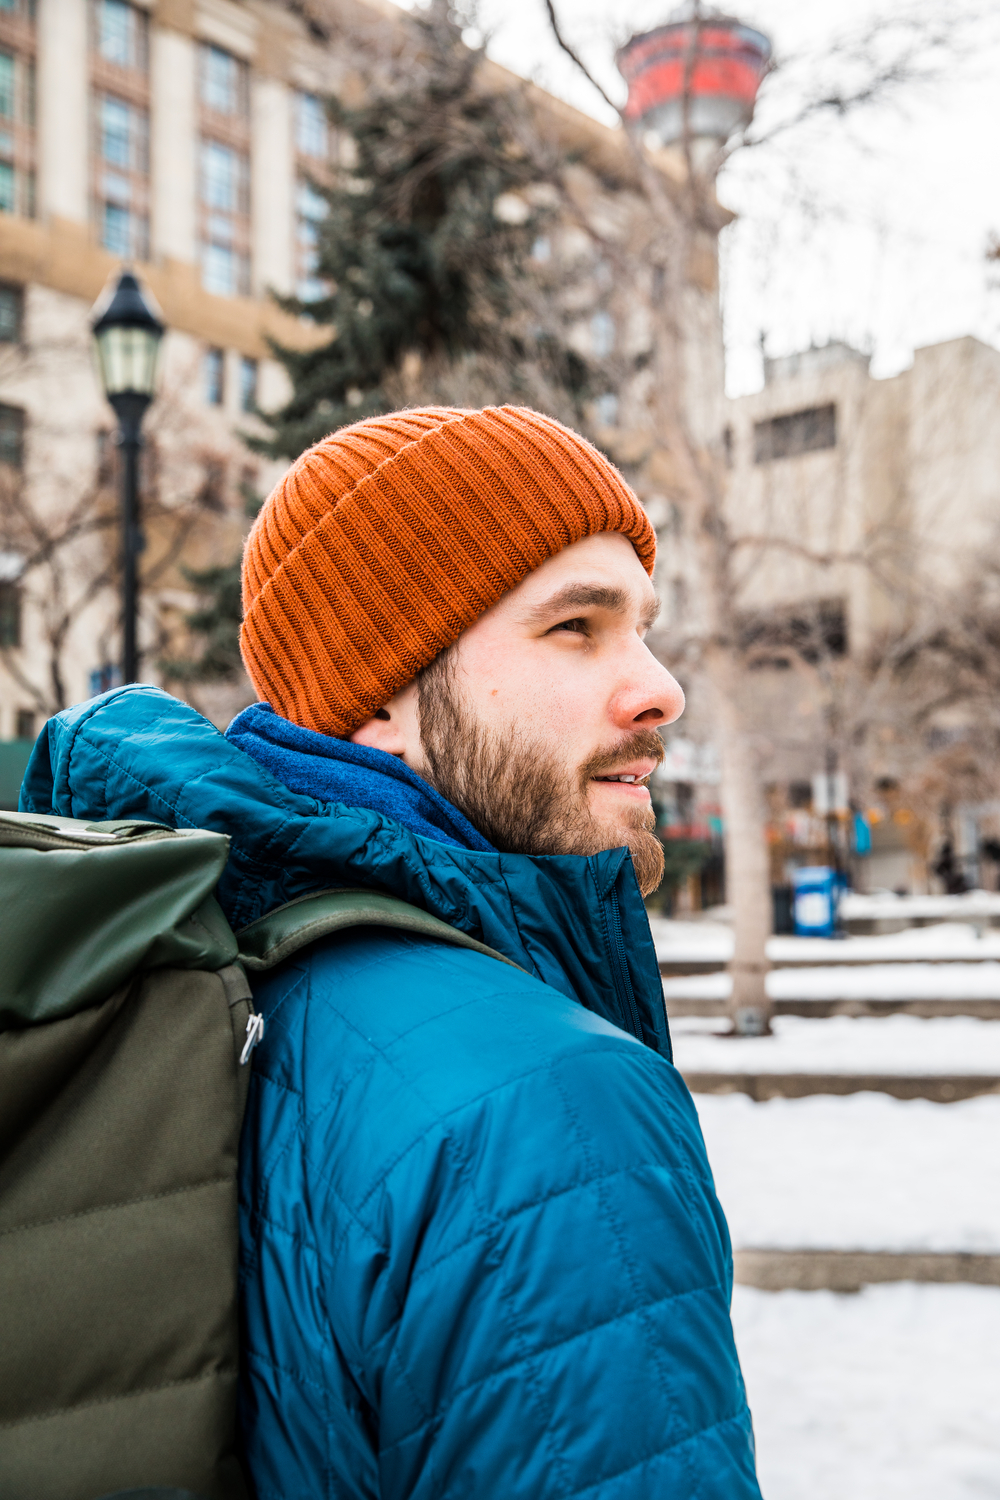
pixel 254 1034
pixel 619 963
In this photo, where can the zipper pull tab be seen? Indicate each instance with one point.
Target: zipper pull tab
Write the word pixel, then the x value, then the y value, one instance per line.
pixel 255 1034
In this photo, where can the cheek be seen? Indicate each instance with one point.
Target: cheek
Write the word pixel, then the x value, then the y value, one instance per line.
pixel 543 697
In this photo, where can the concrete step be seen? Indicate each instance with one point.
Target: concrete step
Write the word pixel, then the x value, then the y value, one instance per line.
pixel 760 1086
pixel 677 968
pixel 850 1270
pixel 821 1010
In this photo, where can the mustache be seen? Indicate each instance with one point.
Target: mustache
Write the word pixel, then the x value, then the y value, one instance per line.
pixel 642 744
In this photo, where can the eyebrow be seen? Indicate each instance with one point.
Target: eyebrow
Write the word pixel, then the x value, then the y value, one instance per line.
pixel 593 596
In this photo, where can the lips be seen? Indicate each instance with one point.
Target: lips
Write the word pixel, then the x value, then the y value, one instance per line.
pixel 634 775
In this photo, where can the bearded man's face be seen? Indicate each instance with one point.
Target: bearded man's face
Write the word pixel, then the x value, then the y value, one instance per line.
pixel 520 794
pixel 540 721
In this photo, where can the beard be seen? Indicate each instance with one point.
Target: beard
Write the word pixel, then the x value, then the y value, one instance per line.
pixel 517 794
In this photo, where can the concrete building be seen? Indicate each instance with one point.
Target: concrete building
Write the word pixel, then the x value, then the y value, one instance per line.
pixel 180 136
pixel 857 505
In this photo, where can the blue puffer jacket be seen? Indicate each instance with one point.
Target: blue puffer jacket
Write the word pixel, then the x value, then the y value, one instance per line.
pixel 482 1254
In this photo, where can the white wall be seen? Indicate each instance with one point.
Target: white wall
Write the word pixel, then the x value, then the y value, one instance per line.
pixel 272 186
pixel 173 145
pixel 63 115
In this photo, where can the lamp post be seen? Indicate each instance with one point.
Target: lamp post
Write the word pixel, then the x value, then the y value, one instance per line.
pixel 127 330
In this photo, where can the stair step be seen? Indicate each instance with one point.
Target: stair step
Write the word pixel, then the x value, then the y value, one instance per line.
pixel 849 1270
pixel 941 1089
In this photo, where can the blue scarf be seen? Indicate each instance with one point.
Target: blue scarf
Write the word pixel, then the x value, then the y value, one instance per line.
pixel 331 770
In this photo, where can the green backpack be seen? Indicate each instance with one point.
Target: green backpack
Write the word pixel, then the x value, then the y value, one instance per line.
pixel 126 1031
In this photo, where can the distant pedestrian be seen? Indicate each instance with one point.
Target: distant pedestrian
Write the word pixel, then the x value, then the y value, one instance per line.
pixel 481 1251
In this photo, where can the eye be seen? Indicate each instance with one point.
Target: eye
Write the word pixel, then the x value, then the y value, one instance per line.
pixel 578 626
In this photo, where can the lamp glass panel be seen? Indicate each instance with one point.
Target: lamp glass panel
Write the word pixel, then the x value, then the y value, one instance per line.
pixel 128 358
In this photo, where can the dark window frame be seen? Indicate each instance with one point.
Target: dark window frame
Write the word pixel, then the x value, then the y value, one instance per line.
pixel 16 292
pixel 792 433
pixel 17 426
pixel 214 376
pixel 812 630
pixel 11 600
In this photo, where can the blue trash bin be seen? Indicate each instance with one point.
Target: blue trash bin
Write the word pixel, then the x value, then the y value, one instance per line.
pixel 817 893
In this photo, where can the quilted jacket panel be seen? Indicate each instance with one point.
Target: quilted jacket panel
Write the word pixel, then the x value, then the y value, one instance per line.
pixel 482 1252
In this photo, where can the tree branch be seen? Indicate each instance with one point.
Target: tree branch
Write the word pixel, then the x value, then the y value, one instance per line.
pixel 577 59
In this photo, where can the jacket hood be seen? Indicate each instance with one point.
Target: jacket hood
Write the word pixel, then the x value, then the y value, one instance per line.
pixel 577 923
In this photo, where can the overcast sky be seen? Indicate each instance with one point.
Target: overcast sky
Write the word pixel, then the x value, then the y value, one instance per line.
pixel 870 229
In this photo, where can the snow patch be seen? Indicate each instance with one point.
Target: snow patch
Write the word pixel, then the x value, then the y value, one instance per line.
pixel 888 1395
pixel 866 1172
pixel 907 1045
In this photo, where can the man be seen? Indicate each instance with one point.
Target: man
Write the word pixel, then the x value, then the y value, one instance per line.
pixel 482 1254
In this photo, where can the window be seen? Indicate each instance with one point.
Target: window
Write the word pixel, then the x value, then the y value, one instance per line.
pixel 223 81
pixel 11 303
pixel 311 132
pixel 606 409
pixel 10 614
pixel 224 174
pixel 311 209
pixel 11 436
pixel 104 678
pixel 313 145
pixel 120 127
pixel 123 177
pixel 7 93
pixel 17 111
pixel 813 630
pixel 25 724
pixel 122 34
pixel 215 371
pixel 602 335
pixel 225 261
pixel 248 384
pixel 797 432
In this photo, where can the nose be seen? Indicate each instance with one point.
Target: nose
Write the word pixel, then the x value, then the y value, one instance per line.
pixel 648 695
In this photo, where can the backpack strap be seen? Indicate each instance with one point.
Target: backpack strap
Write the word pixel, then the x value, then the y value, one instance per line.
pixel 273 938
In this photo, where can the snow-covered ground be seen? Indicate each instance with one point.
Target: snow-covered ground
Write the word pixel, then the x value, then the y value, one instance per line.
pixel 883 904
pixel 900 981
pixel 842 1044
pixel 684 942
pixel 892 1394
pixel 865 1172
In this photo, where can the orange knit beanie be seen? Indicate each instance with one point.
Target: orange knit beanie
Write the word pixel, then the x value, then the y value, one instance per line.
pixel 387 539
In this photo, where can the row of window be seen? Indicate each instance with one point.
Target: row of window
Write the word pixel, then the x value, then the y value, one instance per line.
pixel 213 376
pixel 214 380
pixel 120 155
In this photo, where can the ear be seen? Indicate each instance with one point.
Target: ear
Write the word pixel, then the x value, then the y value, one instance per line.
pixel 394 728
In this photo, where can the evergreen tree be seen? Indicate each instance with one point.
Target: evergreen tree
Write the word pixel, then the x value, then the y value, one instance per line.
pixel 418 261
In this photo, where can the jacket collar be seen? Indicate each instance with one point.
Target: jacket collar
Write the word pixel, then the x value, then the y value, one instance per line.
pixel 578 924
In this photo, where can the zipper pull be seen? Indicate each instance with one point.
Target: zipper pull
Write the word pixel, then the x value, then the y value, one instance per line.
pixel 255 1034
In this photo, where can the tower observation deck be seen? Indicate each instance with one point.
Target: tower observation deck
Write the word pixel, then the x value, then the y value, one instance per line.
pixel 696 75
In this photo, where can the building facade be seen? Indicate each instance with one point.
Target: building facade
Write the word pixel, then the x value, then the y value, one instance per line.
pixel 184 137
pixel 864 506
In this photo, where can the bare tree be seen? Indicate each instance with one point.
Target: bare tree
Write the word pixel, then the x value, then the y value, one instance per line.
pixel 65 559
pixel 862 70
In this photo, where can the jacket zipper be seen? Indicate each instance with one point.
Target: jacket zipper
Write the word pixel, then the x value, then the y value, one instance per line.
pixel 619 964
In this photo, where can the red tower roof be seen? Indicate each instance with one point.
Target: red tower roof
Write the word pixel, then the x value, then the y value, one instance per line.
pixel 716 62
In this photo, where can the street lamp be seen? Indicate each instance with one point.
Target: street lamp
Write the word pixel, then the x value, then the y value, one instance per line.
pixel 127 331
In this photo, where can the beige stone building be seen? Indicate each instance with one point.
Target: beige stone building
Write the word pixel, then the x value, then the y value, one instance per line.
pixel 180 136
pixel 858 506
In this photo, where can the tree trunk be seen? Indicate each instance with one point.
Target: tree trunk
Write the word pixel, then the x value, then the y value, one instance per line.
pixel 748 879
